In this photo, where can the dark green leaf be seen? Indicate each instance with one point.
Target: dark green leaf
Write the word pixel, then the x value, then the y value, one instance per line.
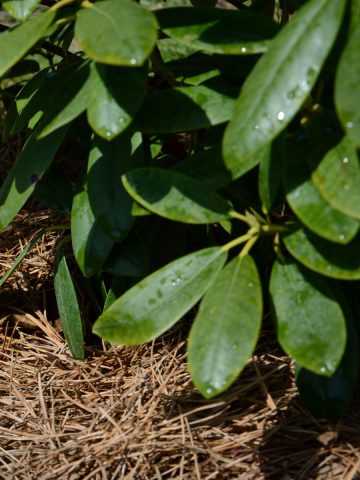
pixel 175 196
pixel 337 177
pixel 90 244
pixel 305 200
pixel 109 201
pixel 69 101
pixel 280 82
pixel 29 167
pixel 116 95
pixel 330 397
pixel 20 9
pixel 218 30
pixel 152 306
pixel 347 86
pixel 118 287
pixel 128 259
pixel 196 107
pixel 69 311
pixel 226 328
pixel 116 32
pixel 310 323
pixel 271 165
pixel 54 190
pixel 322 256
pixel 14 44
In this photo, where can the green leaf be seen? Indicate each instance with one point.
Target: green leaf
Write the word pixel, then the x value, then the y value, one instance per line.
pixel 109 201
pixel 117 93
pixel 90 244
pixel 334 261
pixel 14 44
pixel 55 191
pixel 226 328
pixel 69 101
pixel 118 287
pixel 271 165
pixel 310 322
pixel 32 163
pixel 153 305
pixel 20 9
pixel 128 259
pixel 175 196
pixel 347 85
pixel 337 177
pixel 307 203
pixel 330 397
pixel 116 32
pixel 67 303
pixel 218 30
pixel 280 82
pixel 196 107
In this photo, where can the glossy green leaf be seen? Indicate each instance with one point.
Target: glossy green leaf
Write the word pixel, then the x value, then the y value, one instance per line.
pixel 196 107
pixel 67 303
pixel 69 101
pixel 330 397
pixel 175 196
pixel 110 203
pixel 20 9
pixel 280 82
pixel 310 323
pixel 116 32
pixel 14 44
pixel 337 177
pixel 347 86
pixel 32 163
pixel 226 327
pixel 128 258
pixel 308 204
pixel 218 30
pixel 270 170
pixel 90 244
pixel 116 95
pixel 153 305
pixel 329 259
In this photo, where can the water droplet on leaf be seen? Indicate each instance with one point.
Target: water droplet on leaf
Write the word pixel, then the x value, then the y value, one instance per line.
pixel 281 116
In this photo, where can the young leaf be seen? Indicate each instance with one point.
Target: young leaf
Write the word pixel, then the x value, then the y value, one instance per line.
pixel 347 85
pixel 14 44
pixel 118 287
pixel 153 305
pixel 311 208
pixel 335 261
pixel 20 9
pixel 69 311
pixel 330 397
pixel 337 177
pixel 117 33
pixel 90 244
pixel 218 30
pixel 29 167
pixel 280 82
pixel 226 328
pixel 110 202
pixel 310 322
pixel 196 107
pixel 175 196
pixel 116 95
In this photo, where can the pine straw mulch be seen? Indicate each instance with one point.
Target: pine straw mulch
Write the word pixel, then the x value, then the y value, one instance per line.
pixel 132 412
